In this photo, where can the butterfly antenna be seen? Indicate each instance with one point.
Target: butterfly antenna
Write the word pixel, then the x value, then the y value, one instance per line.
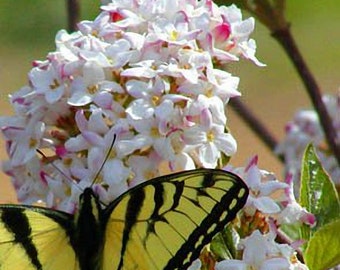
pixel 58 169
pixel 106 158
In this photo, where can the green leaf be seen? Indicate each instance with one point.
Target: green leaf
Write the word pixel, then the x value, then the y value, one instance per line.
pixel 318 193
pixel 292 230
pixel 224 244
pixel 323 250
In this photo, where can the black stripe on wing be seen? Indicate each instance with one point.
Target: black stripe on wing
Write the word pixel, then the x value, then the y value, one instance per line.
pixel 133 208
pixel 221 214
pixel 16 222
pixel 225 208
pixel 136 199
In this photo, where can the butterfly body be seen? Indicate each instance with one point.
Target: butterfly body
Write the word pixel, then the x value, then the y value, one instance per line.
pixel 89 232
pixel 160 224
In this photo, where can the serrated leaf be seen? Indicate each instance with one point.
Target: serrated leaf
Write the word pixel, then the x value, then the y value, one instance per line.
pixel 318 193
pixel 323 250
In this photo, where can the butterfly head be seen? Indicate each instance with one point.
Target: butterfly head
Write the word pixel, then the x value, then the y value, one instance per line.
pixel 87 195
pixel 89 201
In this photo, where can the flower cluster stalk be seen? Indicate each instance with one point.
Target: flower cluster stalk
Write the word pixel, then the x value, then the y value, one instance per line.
pixel 285 38
pixel 73 14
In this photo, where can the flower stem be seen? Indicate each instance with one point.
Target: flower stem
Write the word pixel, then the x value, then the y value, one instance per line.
pixel 285 38
pixel 254 123
pixel 284 239
pixel 73 14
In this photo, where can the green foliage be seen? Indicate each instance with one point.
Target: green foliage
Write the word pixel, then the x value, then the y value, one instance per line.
pixel 30 22
pixel 318 193
pixel 319 196
pixel 224 244
pixel 292 230
pixel 323 250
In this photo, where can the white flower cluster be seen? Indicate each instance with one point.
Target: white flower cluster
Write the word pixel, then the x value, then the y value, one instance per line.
pixel 271 203
pixel 305 128
pixel 261 252
pixel 145 71
pixel 273 199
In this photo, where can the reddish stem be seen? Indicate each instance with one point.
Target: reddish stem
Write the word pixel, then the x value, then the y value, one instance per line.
pixel 73 14
pixel 285 38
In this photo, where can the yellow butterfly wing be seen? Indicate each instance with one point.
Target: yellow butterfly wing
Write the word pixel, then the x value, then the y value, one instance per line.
pixel 165 222
pixel 34 238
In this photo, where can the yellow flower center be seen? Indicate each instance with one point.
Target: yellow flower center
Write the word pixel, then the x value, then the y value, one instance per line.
pixel 32 143
pixel 154 132
pixel 173 35
pixel 55 84
pixel 92 89
pixel 210 136
pixel 209 93
pixel 155 100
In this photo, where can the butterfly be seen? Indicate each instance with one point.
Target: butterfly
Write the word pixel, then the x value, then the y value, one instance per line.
pixel 162 223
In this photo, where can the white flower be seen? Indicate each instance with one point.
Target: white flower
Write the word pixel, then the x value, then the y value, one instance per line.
pixel 85 88
pixel 144 69
pixel 176 33
pixel 117 181
pixel 25 139
pixel 294 212
pixel 145 168
pixel 224 85
pixel 30 187
pixel 208 140
pixel 263 186
pixel 47 81
pixel 260 252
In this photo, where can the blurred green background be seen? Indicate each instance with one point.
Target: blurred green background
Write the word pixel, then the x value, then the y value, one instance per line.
pixel 28 28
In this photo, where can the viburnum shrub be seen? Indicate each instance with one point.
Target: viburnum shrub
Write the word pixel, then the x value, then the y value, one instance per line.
pixel 144 72
pixel 152 74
